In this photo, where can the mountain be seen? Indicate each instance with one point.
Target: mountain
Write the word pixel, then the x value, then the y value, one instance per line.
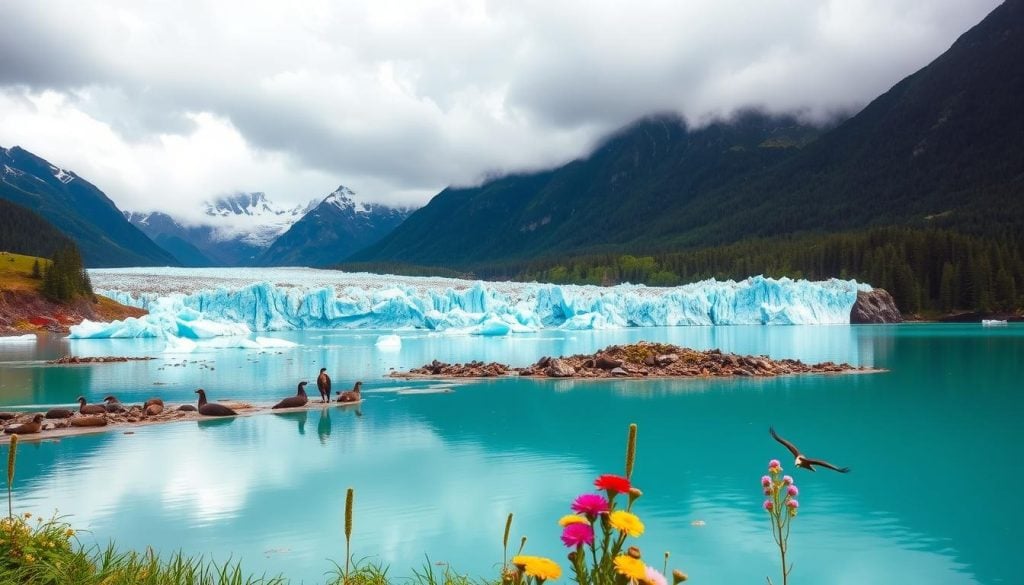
pixel 78 209
pixel 941 149
pixel 24 231
pixel 231 231
pixel 332 231
pixel 605 200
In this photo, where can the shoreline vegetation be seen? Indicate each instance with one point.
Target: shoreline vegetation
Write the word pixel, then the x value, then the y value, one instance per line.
pixel 32 303
pixel 638 360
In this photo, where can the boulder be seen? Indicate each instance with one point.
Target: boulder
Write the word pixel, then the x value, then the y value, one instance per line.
pixel 664 360
pixel 559 369
pixel 875 306
pixel 618 372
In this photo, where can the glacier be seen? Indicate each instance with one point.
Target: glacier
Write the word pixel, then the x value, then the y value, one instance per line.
pixel 216 304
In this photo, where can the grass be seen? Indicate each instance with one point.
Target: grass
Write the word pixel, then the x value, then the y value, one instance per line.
pixel 16 272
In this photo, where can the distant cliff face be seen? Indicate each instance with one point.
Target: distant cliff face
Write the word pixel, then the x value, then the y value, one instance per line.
pixel 875 306
pixel 332 231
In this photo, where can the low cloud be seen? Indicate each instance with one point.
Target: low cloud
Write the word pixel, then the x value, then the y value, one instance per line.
pixel 164 105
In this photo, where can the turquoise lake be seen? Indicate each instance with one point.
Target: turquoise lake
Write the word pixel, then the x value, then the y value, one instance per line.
pixel 933 443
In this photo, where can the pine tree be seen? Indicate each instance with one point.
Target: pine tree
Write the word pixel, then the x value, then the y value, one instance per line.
pixel 36 273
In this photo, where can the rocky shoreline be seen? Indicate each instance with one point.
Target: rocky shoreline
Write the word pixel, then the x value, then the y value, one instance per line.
pixel 75 360
pixel 134 416
pixel 638 360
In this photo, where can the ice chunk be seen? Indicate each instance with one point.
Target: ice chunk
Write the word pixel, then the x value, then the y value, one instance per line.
pixel 389 343
pixel 179 345
pixel 28 338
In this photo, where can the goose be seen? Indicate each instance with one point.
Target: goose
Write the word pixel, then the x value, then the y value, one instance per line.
pixel 84 408
pixel 112 404
pixel 212 409
pixel 29 428
pixel 803 461
pixel 353 395
pixel 300 398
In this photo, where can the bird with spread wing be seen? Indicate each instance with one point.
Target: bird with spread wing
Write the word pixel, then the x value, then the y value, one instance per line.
pixel 803 461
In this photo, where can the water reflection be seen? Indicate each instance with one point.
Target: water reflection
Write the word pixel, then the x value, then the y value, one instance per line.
pixel 436 472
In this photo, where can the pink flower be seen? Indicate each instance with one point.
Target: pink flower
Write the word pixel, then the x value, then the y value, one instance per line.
pixel 766 481
pixel 653 577
pixel 575 535
pixel 787 480
pixel 774 464
pixel 792 491
pixel 768 505
pixel 793 504
pixel 590 504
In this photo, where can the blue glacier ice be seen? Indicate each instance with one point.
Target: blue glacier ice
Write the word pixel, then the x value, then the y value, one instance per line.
pixel 475 308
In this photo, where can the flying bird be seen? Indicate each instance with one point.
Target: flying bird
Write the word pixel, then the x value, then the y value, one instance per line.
pixel 805 462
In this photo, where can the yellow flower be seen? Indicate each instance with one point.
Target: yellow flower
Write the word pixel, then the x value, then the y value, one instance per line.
pixel 630 567
pixel 572 519
pixel 69 532
pixel 538 567
pixel 626 522
pixel 29 558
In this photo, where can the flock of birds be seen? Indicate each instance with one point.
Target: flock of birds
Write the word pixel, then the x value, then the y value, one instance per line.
pixel 94 415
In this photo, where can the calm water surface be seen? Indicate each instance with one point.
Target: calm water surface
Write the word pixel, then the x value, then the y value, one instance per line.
pixel 934 444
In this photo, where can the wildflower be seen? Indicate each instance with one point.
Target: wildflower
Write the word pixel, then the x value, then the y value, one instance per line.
pixel 627 566
pixel 612 483
pixel 766 481
pixel 626 522
pixel 768 505
pixel 767 491
pixel 29 558
pixel 28 514
pixel 793 491
pixel 653 576
pixel 788 480
pixel 575 535
pixel 538 567
pixel 774 466
pixel 793 504
pixel 572 519
pixel 69 532
pixel 590 504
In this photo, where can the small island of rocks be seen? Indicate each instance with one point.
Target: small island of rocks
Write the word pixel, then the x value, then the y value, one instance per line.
pixel 638 360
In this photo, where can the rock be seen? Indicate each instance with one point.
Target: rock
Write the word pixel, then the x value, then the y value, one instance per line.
pixel 606 363
pixel 742 372
pixel 649 361
pixel 875 306
pixel 618 372
pixel 559 369
pixel 544 362
pixel 664 360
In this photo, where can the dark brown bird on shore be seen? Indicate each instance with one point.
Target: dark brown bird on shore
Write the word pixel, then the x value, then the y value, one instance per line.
pixel 802 461
pixel 210 408
pixel 323 384
pixel 300 398
pixel 84 408
pixel 59 413
pixel 353 395
pixel 29 428
pixel 112 404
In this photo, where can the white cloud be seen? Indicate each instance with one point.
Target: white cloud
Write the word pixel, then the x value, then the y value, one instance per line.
pixel 163 105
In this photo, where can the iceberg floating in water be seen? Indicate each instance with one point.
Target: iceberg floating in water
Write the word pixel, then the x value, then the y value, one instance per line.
pixel 27 338
pixel 476 308
pixel 389 343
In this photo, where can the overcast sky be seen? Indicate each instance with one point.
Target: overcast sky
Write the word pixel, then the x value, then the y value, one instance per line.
pixel 165 104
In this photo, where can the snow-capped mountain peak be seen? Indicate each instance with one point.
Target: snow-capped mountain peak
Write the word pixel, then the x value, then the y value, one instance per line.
pixel 345 199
